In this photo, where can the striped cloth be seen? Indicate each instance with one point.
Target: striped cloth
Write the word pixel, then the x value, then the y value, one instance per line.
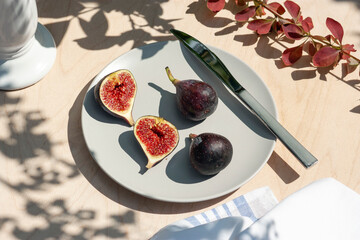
pixel 251 206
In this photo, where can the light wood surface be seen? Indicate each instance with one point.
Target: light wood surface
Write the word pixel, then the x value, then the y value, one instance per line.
pixel 52 189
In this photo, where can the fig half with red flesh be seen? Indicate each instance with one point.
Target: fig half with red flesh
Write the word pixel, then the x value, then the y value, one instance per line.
pixel 157 137
pixel 116 94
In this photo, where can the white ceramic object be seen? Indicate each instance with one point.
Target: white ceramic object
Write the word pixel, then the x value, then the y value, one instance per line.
pixel 27 49
pixel 113 146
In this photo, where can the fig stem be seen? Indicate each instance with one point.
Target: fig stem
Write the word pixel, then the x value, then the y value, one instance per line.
pixel 192 136
pixel 170 76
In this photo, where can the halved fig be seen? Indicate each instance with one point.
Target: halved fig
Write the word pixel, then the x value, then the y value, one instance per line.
pixel 116 94
pixel 157 137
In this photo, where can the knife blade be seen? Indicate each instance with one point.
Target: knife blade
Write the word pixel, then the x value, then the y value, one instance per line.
pixel 213 63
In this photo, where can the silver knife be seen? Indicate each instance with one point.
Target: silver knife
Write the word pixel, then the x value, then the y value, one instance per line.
pixel 212 62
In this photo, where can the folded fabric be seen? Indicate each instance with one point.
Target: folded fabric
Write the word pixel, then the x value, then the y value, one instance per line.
pixel 325 209
pixel 236 215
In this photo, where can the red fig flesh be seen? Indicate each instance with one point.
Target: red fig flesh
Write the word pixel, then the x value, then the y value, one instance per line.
pixel 116 94
pixel 157 137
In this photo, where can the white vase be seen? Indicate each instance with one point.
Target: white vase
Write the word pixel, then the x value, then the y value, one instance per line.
pixel 18 23
pixel 27 48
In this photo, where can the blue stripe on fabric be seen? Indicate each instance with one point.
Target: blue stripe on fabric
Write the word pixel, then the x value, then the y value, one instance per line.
pixel 193 221
pixel 244 208
pixel 216 213
pixel 227 210
pixel 206 217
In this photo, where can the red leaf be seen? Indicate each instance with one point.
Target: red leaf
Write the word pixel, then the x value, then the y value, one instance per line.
pixel 245 14
pixel 347 48
pixel 261 26
pixel 330 38
pixel 276 7
pixel 307 24
pixel 291 55
pixel 293 9
pixel 292 31
pixel 278 28
pixel 312 49
pixel 325 57
pixel 335 28
pixel 216 5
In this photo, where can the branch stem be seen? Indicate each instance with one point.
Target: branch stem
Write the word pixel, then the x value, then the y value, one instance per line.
pixel 277 15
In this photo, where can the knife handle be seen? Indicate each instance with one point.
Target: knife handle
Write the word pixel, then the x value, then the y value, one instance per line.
pixel 295 147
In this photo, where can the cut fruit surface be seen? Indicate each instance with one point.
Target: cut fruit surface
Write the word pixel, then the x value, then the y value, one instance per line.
pixel 116 94
pixel 157 137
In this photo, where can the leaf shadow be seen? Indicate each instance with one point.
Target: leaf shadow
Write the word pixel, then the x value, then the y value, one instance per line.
pixel 38 176
pixel 356 109
pixel 58 216
pixel 206 17
pixel 356 2
pixel 96 27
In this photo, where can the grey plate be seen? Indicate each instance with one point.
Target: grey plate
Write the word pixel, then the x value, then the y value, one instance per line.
pixel 113 146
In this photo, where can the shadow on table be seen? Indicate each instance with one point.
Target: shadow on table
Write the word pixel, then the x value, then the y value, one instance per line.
pixel 282 169
pixel 356 2
pixel 92 15
pixel 50 218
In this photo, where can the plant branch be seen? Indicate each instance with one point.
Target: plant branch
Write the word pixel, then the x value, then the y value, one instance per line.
pixel 277 15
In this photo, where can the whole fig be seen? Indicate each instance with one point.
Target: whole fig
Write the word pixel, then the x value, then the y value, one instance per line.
pixel 210 153
pixel 196 99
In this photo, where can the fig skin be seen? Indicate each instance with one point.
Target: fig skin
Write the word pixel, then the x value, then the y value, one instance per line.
pixel 125 114
pixel 195 99
pixel 210 153
pixel 154 159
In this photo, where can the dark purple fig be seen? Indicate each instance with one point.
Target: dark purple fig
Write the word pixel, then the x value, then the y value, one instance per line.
pixel 210 153
pixel 196 99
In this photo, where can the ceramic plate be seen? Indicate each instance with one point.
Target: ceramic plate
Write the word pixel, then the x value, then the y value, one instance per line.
pixel 113 146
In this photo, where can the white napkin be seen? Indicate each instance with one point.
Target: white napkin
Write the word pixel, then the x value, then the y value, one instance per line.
pixel 325 209
pixel 222 221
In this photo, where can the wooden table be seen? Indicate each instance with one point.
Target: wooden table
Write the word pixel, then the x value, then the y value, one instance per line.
pixel 50 186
